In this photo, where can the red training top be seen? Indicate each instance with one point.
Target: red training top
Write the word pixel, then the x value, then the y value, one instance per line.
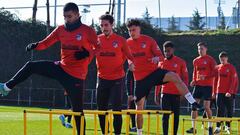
pixel 204 66
pixel 71 42
pixel 225 79
pixel 143 50
pixel 111 56
pixel 177 65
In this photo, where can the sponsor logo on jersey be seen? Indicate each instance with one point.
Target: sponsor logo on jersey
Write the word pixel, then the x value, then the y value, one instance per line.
pixel 139 54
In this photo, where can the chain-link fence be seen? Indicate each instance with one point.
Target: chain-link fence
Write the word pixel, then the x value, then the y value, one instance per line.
pixel 54 98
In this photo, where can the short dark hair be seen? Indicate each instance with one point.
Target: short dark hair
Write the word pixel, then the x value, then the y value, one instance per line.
pixel 168 44
pixel 70 7
pixel 223 54
pixel 202 44
pixel 135 22
pixel 108 17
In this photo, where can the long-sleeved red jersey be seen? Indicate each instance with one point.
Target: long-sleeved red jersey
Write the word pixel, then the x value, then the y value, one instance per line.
pixel 111 56
pixel 177 65
pixel 143 49
pixel 225 79
pixel 71 42
pixel 204 66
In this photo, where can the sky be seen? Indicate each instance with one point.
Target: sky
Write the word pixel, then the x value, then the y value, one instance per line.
pixel 134 8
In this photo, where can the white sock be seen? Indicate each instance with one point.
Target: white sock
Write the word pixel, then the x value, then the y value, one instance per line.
pixel 139 131
pixel 209 124
pixel 189 98
pixel 193 124
pixel 6 88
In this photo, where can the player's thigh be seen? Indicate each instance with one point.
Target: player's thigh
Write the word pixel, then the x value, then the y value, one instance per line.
pixel 117 93
pixel 207 93
pixel 75 90
pixel 197 92
pixel 142 89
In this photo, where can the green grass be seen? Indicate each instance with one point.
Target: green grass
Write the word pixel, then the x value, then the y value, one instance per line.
pixel 11 123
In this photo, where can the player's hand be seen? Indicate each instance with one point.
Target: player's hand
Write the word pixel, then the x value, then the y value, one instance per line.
pixel 83 53
pixel 213 96
pixel 131 67
pixel 97 49
pixel 155 60
pixel 201 77
pixel 227 95
pixel 193 83
pixel 157 99
pixel 31 46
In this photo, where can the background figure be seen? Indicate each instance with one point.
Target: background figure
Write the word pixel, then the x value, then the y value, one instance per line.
pixel 64 116
pixel 110 59
pixel 147 56
pixel 202 81
pixel 77 41
pixel 224 86
pixel 170 96
pixel 130 102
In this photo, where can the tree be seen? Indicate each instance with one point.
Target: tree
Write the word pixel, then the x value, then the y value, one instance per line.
pixel 222 22
pixel 196 22
pixel 172 24
pixel 34 11
pixel 146 16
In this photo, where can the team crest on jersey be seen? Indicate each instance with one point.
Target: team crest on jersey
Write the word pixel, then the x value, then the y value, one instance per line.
pixel 175 65
pixel 115 44
pixel 204 62
pixel 143 45
pixel 227 70
pixel 79 37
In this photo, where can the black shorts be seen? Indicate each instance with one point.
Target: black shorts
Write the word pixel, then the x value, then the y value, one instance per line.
pixel 143 87
pixel 202 92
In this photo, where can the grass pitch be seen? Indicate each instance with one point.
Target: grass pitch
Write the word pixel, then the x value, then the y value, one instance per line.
pixel 11 123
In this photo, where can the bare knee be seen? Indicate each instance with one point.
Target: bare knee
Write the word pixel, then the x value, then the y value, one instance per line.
pixel 208 109
pixel 140 104
pixel 172 77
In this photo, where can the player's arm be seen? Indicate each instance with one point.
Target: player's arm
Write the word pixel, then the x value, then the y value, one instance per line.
pixel 215 82
pixel 45 43
pixel 236 85
pixel 93 40
pixel 194 77
pixel 232 80
pixel 212 69
pixel 127 54
pixel 126 51
pixel 184 73
pixel 48 41
pixel 158 88
pixel 129 82
pixel 158 56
